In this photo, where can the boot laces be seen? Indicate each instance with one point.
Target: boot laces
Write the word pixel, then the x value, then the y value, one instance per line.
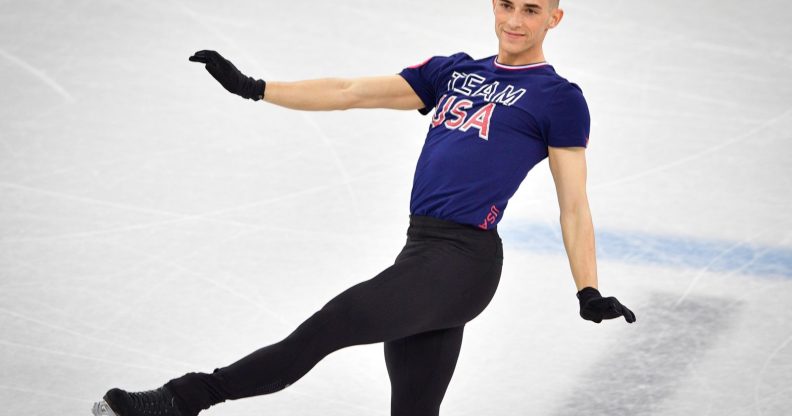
pixel 153 402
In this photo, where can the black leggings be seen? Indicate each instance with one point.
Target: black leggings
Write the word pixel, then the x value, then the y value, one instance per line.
pixel 445 276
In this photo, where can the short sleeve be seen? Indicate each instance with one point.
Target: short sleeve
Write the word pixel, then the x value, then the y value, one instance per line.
pixel 425 78
pixel 569 121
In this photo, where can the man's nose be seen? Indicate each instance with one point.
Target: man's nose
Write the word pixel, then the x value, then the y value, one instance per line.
pixel 514 20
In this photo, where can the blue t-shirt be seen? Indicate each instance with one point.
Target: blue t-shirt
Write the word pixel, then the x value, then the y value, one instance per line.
pixel 491 125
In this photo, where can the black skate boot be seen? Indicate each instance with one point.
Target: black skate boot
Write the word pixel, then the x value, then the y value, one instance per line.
pixel 117 402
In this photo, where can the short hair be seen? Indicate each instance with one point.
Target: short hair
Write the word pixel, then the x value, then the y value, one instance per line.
pixel 554 4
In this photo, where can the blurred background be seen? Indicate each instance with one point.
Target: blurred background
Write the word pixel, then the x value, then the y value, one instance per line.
pixel 153 224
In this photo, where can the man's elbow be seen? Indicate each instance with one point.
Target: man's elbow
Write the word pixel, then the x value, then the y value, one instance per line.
pixel 348 97
pixel 359 93
pixel 572 212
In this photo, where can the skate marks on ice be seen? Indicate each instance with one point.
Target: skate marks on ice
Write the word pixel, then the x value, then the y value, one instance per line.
pixel 642 372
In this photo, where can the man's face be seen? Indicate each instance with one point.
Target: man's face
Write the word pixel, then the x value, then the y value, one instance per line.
pixel 521 25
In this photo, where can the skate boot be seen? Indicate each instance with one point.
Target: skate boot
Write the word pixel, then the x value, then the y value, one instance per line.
pixel 117 402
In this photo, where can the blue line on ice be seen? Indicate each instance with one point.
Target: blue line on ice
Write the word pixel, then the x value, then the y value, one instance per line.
pixel 663 250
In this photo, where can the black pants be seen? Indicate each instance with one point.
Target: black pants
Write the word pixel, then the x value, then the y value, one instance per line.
pixel 445 276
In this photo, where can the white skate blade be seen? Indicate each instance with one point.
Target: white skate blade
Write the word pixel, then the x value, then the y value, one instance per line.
pixel 102 409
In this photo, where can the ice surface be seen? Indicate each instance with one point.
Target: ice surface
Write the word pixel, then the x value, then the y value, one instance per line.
pixel 153 224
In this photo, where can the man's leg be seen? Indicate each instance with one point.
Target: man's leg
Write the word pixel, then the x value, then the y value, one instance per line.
pixel 417 294
pixel 420 367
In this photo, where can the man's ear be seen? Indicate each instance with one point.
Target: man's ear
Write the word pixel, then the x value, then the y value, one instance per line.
pixel 555 18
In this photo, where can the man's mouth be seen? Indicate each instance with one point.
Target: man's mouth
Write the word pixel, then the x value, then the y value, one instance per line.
pixel 511 35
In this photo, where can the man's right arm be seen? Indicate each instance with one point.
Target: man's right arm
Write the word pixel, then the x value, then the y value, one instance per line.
pixel 389 91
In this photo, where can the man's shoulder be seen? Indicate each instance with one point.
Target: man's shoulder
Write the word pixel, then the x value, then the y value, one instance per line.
pixel 462 55
pixel 443 62
pixel 564 85
pixel 458 58
pixel 568 89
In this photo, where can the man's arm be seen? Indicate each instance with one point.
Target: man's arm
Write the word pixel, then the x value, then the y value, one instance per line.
pixel 390 91
pixel 568 166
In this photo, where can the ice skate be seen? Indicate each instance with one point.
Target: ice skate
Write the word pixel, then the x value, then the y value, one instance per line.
pixel 117 402
pixel 102 409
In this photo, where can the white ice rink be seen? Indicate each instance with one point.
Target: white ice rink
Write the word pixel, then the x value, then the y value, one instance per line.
pixel 153 224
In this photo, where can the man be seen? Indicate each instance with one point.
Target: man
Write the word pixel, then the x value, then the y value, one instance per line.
pixel 494 119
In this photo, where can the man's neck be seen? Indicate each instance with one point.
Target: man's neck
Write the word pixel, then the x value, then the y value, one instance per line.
pixel 530 57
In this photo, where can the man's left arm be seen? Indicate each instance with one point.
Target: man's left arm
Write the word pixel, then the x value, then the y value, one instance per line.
pixel 568 166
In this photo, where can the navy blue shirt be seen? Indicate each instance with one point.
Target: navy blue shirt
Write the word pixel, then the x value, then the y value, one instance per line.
pixel 492 123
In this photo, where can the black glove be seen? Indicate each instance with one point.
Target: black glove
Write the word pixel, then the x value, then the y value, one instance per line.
pixel 593 307
pixel 229 76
